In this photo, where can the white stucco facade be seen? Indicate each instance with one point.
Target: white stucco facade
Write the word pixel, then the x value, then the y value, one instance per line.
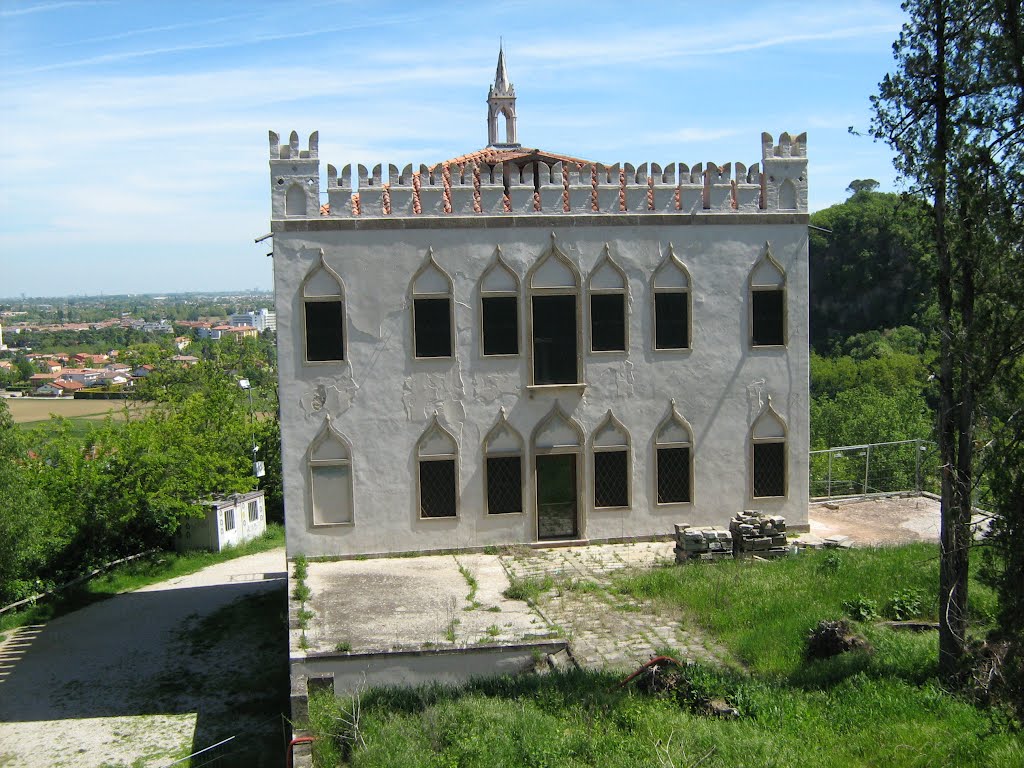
pixel 358 428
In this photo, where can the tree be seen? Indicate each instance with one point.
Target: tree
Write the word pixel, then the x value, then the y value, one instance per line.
pixel 25 538
pixel 954 114
pixel 862 185
pixel 872 265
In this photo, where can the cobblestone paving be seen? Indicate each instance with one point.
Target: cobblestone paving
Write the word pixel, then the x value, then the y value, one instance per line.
pixel 607 629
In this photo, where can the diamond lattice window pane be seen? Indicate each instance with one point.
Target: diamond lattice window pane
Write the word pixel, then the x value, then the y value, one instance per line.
pixel 504 485
pixel 437 488
pixel 673 475
pixel 770 469
pixel 611 484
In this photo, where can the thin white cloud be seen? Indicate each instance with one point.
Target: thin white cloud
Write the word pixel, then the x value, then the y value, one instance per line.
pixel 47 7
pixel 151 30
pixel 232 42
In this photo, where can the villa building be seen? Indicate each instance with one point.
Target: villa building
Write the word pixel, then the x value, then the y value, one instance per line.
pixel 519 346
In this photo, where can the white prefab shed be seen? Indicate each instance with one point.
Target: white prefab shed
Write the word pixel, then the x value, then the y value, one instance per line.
pixel 229 521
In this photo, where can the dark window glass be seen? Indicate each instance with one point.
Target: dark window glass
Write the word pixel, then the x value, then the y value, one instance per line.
pixel 671 321
pixel 554 340
pixel 769 469
pixel 673 475
pixel 767 318
pixel 556 497
pixel 325 334
pixel 433 320
pixel 504 485
pixel 608 322
pixel 437 488
pixel 611 484
pixel 501 325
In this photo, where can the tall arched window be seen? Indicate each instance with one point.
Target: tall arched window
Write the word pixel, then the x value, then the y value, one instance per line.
pixel 768 474
pixel 673 448
pixel 323 314
pixel 609 324
pixel 554 283
pixel 437 460
pixel 767 288
pixel 671 292
pixel 610 445
pixel 433 328
pixel 558 452
pixel 330 477
pixel 503 468
pixel 499 309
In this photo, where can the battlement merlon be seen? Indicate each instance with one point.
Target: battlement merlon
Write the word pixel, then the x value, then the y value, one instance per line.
pixel 291 150
pixel 778 184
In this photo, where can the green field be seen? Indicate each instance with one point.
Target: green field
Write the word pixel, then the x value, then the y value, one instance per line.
pixel 84 415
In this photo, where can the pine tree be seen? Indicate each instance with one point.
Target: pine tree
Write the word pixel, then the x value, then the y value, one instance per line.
pixel 954 113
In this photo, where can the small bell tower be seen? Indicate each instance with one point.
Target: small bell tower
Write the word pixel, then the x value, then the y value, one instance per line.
pixel 501 102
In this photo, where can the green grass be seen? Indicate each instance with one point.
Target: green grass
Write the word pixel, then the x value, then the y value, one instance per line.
pixel 80 427
pixel 473 585
pixel 883 708
pixel 138 573
pixel 582 719
pixel 761 611
pixel 528 590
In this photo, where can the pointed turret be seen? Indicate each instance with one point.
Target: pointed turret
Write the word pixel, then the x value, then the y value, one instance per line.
pixel 501 101
pixel 502 87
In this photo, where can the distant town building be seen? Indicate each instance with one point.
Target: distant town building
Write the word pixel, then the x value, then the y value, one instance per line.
pixel 262 320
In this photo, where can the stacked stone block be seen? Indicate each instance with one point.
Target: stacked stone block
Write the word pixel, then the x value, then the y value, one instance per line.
pixel 702 543
pixel 755 533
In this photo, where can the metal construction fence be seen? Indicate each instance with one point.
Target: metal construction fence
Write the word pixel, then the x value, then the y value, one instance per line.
pixel 877 468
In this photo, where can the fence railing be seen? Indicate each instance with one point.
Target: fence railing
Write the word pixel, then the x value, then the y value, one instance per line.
pixel 875 468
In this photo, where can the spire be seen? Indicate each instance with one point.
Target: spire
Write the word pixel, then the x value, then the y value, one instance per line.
pixel 501 102
pixel 502 87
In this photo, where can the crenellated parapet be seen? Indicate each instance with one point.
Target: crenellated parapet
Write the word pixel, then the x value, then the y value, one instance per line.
pixel 294 177
pixel 779 183
pixel 784 181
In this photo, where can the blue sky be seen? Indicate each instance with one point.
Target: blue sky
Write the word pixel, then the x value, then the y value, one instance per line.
pixel 135 151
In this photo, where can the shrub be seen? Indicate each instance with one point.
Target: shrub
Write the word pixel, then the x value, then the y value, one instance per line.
pixel 904 604
pixel 830 563
pixel 860 608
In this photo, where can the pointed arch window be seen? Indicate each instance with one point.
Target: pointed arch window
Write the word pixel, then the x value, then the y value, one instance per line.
pixel 554 283
pixel 609 325
pixel 433 328
pixel 323 315
pixel 330 477
pixel 671 289
pixel 611 447
pixel 437 459
pixel 503 468
pixel 499 309
pixel 769 477
pixel 557 454
pixel 673 448
pixel 767 289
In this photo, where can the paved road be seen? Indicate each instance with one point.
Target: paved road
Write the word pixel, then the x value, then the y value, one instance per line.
pixel 112 683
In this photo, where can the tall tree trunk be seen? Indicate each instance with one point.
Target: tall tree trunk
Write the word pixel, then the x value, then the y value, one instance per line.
pixel 953 556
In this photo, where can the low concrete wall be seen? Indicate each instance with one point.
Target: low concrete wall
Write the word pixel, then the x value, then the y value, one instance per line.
pixel 349 672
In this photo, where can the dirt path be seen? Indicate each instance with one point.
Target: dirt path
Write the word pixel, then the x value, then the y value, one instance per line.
pixel 878 522
pixel 144 677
